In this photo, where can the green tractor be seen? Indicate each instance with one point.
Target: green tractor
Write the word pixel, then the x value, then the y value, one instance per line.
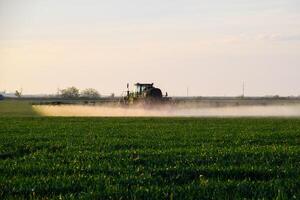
pixel 145 93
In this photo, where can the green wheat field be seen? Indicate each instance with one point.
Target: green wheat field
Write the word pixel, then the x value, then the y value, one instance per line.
pixel 146 158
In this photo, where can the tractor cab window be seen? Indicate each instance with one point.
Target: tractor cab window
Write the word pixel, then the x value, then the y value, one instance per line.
pixel 138 89
pixel 143 88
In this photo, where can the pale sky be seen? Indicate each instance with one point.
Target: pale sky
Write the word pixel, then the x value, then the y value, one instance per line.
pixel 209 46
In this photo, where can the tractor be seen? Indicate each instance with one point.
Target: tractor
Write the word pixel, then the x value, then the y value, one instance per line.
pixel 145 93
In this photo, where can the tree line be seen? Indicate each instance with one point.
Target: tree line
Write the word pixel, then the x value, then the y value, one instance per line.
pixel 73 92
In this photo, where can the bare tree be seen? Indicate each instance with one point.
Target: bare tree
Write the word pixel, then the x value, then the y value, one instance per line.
pixel 18 93
pixel 70 92
pixel 90 93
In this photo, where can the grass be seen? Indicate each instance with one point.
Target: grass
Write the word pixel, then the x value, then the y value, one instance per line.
pixel 16 108
pixel 146 158
pixel 149 158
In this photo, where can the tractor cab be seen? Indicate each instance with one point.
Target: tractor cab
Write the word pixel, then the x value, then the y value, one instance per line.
pixel 140 88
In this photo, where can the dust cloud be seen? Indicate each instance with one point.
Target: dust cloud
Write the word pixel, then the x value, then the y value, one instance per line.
pixel 169 111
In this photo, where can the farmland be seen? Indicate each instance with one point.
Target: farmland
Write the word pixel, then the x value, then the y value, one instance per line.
pixel 151 158
pixel 15 108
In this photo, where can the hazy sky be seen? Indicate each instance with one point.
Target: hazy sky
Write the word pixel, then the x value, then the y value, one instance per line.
pixel 210 46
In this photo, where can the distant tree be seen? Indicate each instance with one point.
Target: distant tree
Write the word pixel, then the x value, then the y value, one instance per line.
pixel 90 93
pixel 70 92
pixel 18 93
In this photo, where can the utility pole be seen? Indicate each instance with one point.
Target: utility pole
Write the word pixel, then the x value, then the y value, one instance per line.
pixel 187 91
pixel 243 89
pixel 57 92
